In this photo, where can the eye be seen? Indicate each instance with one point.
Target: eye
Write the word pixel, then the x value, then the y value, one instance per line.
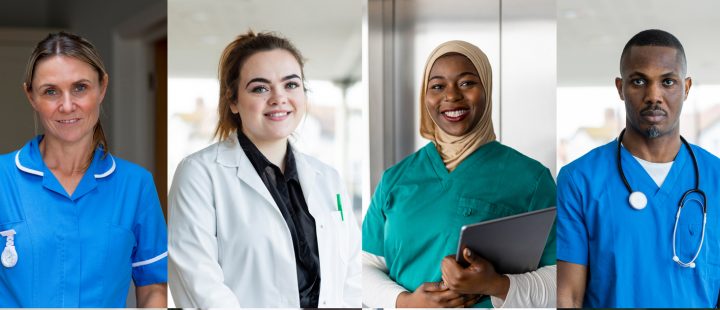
pixel 292 85
pixel 50 92
pixel 668 82
pixel 467 83
pixel 638 82
pixel 79 88
pixel 259 89
pixel 436 86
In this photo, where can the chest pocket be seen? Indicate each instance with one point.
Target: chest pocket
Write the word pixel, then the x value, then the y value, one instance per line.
pixel 473 210
pixel 16 282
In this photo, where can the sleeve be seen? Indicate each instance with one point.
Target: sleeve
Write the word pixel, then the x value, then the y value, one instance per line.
pixel 379 291
pixel 352 291
pixel 571 230
pixel 149 261
pixel 537 289
pixel 544 197
pixel 196 279
pixel 373 225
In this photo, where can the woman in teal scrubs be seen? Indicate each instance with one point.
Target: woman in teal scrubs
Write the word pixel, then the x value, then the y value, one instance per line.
pixel 462 176
pixel 77 223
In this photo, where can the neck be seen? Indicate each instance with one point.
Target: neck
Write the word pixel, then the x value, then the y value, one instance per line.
pixel 662 149
pixel 67 158
pixel 273 150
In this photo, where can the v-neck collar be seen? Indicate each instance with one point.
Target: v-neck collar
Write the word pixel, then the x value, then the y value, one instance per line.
pixel 439 166
pixel 640 180
pixel 29 160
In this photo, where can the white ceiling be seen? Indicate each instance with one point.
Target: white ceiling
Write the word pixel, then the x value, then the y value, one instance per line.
pixel 327 32
pixel 592 34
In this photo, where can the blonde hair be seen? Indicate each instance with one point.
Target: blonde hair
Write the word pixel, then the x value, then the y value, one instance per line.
pixel 70 45
pixel 231 61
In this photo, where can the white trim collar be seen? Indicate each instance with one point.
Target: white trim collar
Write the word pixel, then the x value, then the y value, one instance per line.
pixel 26 169
pixel 110 171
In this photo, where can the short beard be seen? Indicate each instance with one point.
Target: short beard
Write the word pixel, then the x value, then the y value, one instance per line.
pixel 653 132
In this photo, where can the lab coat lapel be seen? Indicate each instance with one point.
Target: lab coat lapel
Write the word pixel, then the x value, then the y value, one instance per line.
pixel 230 154
pixel 307 174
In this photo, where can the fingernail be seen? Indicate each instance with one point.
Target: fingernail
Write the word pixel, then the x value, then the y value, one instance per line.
pixel 468 252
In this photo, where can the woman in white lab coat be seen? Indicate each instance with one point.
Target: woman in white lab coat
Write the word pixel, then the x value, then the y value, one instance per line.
pixel 253 222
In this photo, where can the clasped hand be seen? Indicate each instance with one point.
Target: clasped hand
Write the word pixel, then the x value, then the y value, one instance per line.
pixel 461 286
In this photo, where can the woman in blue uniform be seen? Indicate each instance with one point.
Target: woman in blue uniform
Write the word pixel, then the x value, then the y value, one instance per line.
pixel 78 223
pixel 462 176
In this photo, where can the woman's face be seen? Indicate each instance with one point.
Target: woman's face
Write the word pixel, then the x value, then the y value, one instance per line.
pixel 66 94
pixel 455 96
pixel 271 97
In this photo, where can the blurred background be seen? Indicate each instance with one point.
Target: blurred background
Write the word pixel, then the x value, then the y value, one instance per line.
pixel 590 39
pixel 518 36
pixel 131 37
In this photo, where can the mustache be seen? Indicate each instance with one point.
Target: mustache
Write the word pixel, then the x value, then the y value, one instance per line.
pixel 653 110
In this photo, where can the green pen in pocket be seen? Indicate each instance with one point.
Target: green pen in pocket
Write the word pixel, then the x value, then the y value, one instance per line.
pixel 339 205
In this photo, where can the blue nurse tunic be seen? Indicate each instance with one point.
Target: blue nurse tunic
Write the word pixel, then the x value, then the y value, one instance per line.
pixel 79 250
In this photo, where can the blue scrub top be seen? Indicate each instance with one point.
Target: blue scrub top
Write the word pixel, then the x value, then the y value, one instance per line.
pixel 79 250
pixel 628 253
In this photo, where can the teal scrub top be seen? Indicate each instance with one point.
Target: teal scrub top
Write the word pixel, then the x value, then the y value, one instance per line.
pixel 418 208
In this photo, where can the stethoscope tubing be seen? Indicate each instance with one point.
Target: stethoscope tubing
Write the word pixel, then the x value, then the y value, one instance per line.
pixel 681 204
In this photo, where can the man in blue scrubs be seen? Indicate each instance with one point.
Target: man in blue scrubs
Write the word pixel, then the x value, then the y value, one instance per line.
pixel 620 251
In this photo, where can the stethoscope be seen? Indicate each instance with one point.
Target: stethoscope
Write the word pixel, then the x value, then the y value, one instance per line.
pixel 638 200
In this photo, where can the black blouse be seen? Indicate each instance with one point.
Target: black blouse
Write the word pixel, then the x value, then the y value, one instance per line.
pixel 287 193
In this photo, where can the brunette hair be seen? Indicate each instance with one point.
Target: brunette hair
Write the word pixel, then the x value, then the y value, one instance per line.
pixel 70 45
pixel 232 60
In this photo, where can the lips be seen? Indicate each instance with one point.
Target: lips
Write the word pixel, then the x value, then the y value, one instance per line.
pixel 68 121
pixel 278 115
pixel 455 115
pixel 654 115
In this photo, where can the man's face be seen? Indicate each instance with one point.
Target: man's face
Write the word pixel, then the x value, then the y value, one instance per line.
pixel 653 87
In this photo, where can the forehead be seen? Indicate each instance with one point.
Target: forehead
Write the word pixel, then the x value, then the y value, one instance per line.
pixel 59 68
pixel 270 64
pixel 452 63
pixel 652 58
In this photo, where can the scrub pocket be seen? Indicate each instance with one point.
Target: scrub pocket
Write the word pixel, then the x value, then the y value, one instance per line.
pixel 16 282
pixel 473 210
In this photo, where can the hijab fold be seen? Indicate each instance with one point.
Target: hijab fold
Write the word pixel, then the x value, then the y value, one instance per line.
pixel 454 149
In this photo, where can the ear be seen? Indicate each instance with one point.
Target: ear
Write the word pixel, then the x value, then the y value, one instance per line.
pixel 104 86
pixel 688 84
pixel 28 94
pixel 619 86
pixel 234 108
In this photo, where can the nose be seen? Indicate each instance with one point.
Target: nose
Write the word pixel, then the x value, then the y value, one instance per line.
pixel 452 93
pixel 654 94
pixel 66 104
pixel 278 97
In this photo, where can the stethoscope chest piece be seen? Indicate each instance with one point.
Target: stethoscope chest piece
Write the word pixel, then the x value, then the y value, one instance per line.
pixel 638 200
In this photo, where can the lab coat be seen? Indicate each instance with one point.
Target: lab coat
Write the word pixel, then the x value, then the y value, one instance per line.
pixel 230 246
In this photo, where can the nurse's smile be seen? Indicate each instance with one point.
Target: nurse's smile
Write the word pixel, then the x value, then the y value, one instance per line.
pixel 455 115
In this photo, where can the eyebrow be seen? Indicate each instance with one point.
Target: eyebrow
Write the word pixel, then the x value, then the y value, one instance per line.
pixel 667 74
pixel 55 85
pixel 264 80
pixel 459 75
